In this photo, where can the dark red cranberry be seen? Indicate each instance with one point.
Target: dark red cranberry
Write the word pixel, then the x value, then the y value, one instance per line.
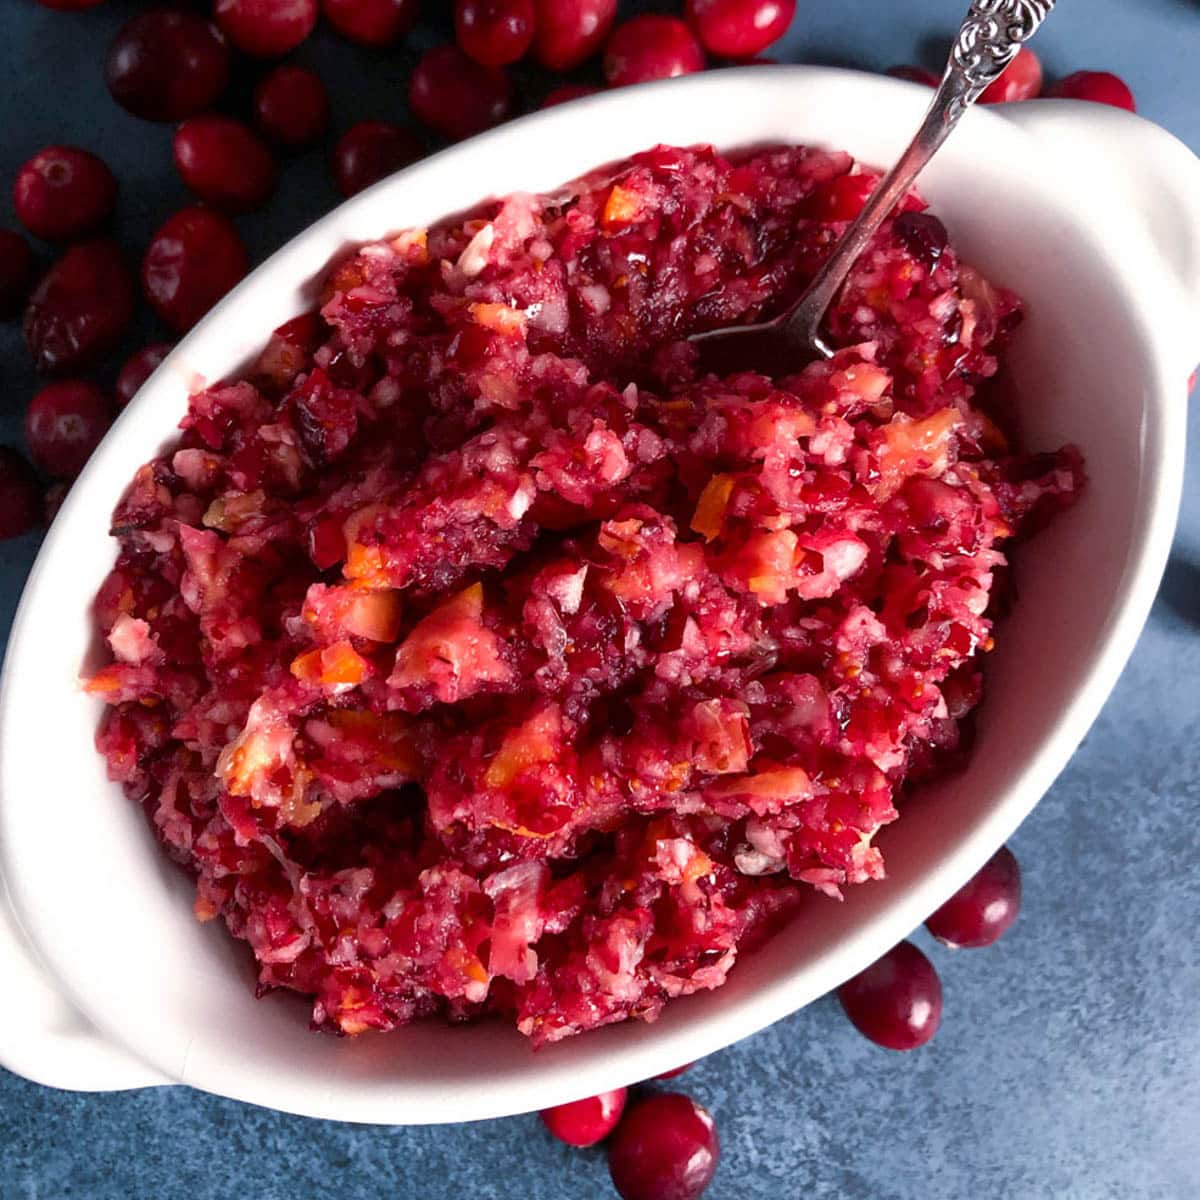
pixel 291 106
pixel 370 151
pixel 923 236
pixel 979 912
pixel 167 64
pixel 494 32
pixel 915 75
pixel 841 199
pixel 570 31
pixel 138 368
pixel 567 93
pixel 16 272
pixel 191 262
pixel 1100 87
pixel 1022 80
pixel 52 500
pixel 70 5
pixel 676 1071
pixel 739 28
pixel 586 1122
pixel 666 1148
pixel 20 495
pixel 81 307
pixel 63 192
pixel 64 424
pixel 455 95
pixel 897 1001
pixel 651 47
pixel 266 28
pixel 224 162
pixel 372 22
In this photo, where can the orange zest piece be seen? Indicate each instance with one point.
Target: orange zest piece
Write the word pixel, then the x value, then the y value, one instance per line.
pixel 709 516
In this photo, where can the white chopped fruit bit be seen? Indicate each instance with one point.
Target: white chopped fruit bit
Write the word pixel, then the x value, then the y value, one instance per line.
pixel 475 255
pixel 131 640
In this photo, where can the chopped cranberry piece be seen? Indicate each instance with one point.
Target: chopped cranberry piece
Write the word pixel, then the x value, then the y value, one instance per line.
pixel 570 31
pixel 567 93
pixel 1101 87
pixel 192 261
pixel 1022 80
pixel 739 28
pixel 897 1001
pixel 224 162
pixel 651 47
pixel 167 64
pixel 370 151
pixel 666 1148
pixel 63 192
pixel 64 424
pixel 455 95
pixel 266 28
pixel 16 272
pixel 915 75
pixel 20 495
pixel 371 22
pixel 494 32
pixel 984 908
pixel 677 1071
pixel 586 1122
pixel 841 199
pixel 291 106
pixel 81 307
pixel 138 368
pixel 924 237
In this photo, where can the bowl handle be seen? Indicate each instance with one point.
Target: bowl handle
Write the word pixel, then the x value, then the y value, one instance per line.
pixel 1143 185
pixel 46 1040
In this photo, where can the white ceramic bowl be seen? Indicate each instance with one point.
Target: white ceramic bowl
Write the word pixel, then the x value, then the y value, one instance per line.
pixel 1092 214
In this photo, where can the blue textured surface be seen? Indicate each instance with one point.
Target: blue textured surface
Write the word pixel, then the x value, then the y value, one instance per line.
pixel 1068 1064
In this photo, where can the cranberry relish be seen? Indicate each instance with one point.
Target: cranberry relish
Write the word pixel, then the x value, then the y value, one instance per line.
pixel 476 657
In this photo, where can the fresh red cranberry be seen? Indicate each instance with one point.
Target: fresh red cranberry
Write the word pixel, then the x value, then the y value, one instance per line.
pixel 568 92
pixel 570 31
pixel 266 28
pixel 651 47
pixel 20 495
pixel 291 106
pixel 924 237
pixel 494 32
pixel 455 95
pixel 983 909
pixel 841 199
pixel 81 307
pixel 1022 80
pixel 915 75
pixel 70 5
pixel 739 28
pixel 1100 87
pixel 167 64
pixel 370 151
pixel 64 424
pixel 666 1148
pixel 586 1122
pixel 63 192
pixel 897 1001
pixel 138 368
pixel 677 1071
pixel 224 162
pixel 16 272
pixel 372 22
pixel 192 261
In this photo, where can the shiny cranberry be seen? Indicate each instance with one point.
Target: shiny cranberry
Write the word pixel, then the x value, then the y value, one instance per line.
pixel 666 1148
pixel 676 1071
pixel 64 424
pixel 1022 80
pixel 372 22
pixel 841 199
pixel 16 272
pixel 739 28
pixel 81 307
pixel 651 47
pixel 63 192
pixel 291 106
pixel 924 237
pixel 138 368
pixel 570 31
pixel 20 495
pixel 585 1122
pixel 915 75
pixel 167 64
pixel 494 32
pixel 455 95
pixel 982 910
pixel 266 28
pixel 567 93
pixel 224 162
pixel 370 151
pixel 897 1001
pixel 191 262
pixel 1100 87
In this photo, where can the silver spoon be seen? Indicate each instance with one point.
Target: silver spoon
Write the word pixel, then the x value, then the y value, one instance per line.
pixel 988 40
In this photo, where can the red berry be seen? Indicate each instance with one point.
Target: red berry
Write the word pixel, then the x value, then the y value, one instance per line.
pixel 166 64
pixel 1022 80
pixel 983 909
pixel 64 424
pixel 841 199
pixel 915 75
pixel 570 31
pixel 224 162
pixel 666 1148
pixel 370 151
pixel 494 32
pixel 676 1071
pixel 586 1122
pixel 739 28
pixel 138 368
pixel 651 47
pixel 266 28
pixel 63 192
pixel 20 495
pixel 52 500
pixel 897 1001
pixel 69 5
pixel 291 106
pixel 455 95
pixel 191 262
pixel 372 22
pixel 567 93
pixel 1101 87
pixel 81 307
pixel 16 272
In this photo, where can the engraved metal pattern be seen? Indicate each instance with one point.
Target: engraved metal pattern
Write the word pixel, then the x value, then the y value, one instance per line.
pixel 990 37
